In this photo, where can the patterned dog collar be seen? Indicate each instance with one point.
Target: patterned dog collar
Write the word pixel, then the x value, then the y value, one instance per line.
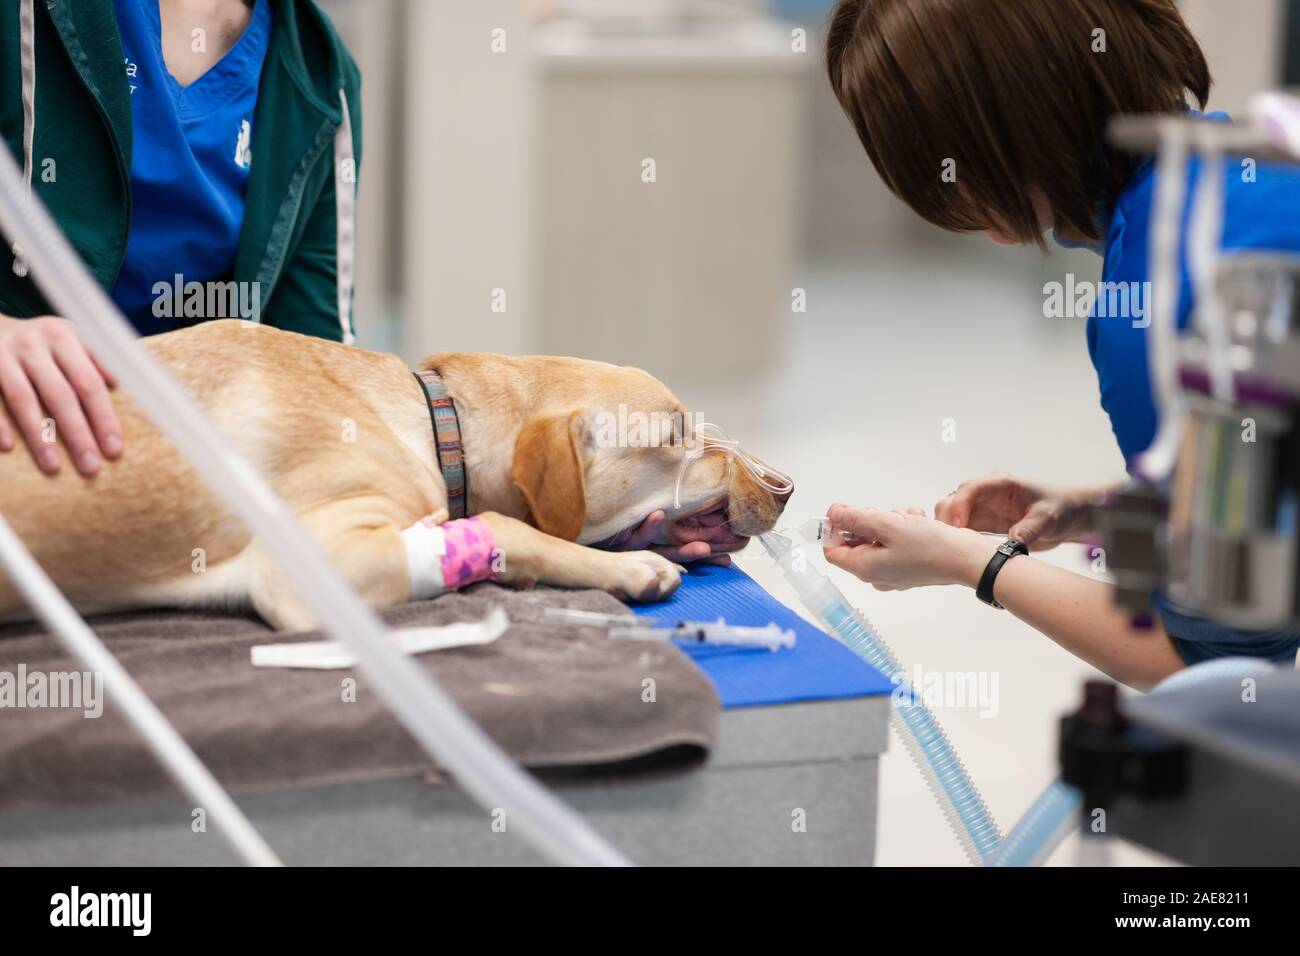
pixel 446 434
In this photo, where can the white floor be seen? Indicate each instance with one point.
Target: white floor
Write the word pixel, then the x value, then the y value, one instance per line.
pixel 886 351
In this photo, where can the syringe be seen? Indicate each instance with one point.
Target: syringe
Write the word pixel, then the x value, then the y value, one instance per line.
pixel 717 632
pixel 571 615
pixel 819 530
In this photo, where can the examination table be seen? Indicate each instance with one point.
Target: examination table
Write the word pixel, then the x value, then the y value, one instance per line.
pixel 629 733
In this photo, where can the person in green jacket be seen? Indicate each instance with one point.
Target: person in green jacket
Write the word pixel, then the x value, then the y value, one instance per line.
pixel 201 156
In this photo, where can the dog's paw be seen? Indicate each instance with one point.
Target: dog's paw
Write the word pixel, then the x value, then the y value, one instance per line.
pixel 640 576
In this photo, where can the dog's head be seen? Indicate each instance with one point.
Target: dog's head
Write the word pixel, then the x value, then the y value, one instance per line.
pixel 595 449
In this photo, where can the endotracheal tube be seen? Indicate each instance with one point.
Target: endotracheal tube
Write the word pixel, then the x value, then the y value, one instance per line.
pixel 916 726
pixel 1050 818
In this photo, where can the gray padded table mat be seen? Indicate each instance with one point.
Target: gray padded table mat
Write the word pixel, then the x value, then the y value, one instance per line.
pixel 549 695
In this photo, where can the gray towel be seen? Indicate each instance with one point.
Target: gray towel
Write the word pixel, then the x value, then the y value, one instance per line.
pixel 551 695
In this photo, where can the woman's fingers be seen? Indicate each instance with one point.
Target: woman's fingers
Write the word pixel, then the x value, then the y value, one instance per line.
pixel 693 552
pixel 25 408
pixel 851 557
pixel 6 433
pixel 705 540
pixel 55 391
pixel 957 509
pixel 87 379
pixel 871 563
pixel 686 553
pixel 645 535
pixel 895 551
pixel 704 544
pixel 867 524
pixel 1026 532
pixel 58 396
pixel 954 510
pixel 981 504
pixel 719 537
pixel 869 558
pixel 1029 528
pixel 1044 520
pixel 104 373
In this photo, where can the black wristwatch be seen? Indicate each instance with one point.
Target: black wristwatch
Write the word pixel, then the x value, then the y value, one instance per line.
pixel 1007 550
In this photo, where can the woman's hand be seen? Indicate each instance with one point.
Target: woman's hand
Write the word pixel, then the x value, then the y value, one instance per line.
pixel 907 550
pixel 1042 516
pixel 704 539
pixel 898 550
pixel 46 370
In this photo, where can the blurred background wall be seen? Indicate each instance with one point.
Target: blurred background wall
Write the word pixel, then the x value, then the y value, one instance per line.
pixel 759 267
pixel 503 202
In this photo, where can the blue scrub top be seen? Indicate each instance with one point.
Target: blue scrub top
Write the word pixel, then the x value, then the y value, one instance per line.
pixel 190 158
pixel 1263 214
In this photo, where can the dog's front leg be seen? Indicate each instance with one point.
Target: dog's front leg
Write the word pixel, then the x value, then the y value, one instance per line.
pixel 388 566
pixel 372 559
pixel 528 556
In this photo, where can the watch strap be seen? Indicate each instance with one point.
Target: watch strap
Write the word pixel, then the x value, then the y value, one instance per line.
pixel 1006 551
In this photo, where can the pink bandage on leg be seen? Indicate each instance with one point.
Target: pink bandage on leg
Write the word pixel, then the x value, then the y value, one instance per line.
pixel 443 557
pixel 471 552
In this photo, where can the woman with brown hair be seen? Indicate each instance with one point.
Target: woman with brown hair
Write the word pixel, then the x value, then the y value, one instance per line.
pixel 989 116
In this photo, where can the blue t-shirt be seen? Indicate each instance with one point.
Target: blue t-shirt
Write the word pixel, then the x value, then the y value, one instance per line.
pixel 1260 214
pixel 192 147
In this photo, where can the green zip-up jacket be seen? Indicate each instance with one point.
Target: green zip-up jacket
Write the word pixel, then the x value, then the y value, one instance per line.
pixel 65 112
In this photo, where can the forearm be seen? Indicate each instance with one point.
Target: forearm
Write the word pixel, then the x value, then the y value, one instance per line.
pixel 1079 614
pixel 896 550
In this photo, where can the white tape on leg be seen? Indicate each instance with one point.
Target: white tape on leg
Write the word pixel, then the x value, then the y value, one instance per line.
pixel 425 544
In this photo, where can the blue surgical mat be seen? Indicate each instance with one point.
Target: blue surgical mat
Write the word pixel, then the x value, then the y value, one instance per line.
pixel 818 668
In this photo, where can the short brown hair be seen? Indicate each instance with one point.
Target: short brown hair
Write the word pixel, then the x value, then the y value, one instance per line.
pixel 1013 92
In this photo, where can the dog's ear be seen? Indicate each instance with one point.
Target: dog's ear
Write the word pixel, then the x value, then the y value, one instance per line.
pixel 550 458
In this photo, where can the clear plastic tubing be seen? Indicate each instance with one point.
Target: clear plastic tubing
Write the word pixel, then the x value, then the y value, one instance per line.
pixel 1055 814
pixel 185 769
pixel 1050 818
pixel 420 705
pixel 1157 462
pixel 1048 821
pixel 916 726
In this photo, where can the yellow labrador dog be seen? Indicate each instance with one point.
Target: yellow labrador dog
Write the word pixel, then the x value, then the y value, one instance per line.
pixel 346 438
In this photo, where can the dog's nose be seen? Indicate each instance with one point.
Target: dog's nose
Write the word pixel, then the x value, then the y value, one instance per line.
pixel 784 496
